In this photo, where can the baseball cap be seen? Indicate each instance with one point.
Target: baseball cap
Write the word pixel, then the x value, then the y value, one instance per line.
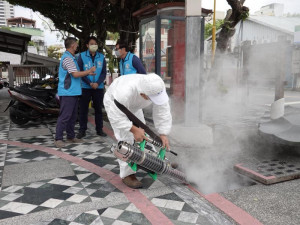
pixel 159 98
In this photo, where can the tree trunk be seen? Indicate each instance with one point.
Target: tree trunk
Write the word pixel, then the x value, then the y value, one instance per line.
pixel 128 25
pixel 233 17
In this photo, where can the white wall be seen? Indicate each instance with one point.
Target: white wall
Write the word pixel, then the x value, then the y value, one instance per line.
pixel 256 33
pixel 8 10
pixel 271 10
pixel 32 49
pixel 8 57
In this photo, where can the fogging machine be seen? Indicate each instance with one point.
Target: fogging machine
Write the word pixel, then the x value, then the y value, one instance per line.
pixel 148 159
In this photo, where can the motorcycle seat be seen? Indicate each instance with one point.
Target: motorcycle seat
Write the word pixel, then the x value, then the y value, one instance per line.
pixel 32 92
pixel 49 91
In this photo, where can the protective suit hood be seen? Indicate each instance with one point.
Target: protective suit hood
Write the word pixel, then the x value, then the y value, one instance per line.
pixel 154 87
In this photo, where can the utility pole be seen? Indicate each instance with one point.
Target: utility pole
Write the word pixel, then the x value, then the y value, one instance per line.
pixel 192 62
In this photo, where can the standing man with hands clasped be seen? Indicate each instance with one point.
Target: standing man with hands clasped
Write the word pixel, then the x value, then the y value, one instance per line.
pixel 136 92
pixel 69 89
pixel 129 63
pixel 92 87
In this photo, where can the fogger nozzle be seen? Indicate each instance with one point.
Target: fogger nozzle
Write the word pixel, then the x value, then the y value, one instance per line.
pixel 130 153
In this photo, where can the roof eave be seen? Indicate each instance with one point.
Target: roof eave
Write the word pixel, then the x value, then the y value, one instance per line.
pixel 271 26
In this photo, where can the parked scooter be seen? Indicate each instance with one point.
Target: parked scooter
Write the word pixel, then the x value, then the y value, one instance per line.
pixel 3 83
pixel 31 104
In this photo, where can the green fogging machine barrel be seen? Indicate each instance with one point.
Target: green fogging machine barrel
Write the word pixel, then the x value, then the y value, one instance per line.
pixel 149 162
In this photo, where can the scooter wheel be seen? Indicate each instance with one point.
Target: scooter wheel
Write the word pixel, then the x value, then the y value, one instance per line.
pixel 18 119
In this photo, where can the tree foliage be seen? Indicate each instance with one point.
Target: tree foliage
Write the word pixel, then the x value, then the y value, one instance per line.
pixel 31 43
pixel 112 36
pixel 55 51
pixel 209 27
pixel 83 18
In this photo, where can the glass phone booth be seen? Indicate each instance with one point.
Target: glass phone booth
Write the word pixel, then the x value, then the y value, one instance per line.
pixel 162 47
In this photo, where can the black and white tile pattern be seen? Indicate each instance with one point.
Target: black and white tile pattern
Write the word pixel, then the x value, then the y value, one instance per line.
pixel 4 127
pixel 16 155
pixel 83 187
pixel 176 209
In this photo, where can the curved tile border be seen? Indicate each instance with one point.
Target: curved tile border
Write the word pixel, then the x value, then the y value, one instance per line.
pixel 233 211
pixel 230 209
pixel 150 211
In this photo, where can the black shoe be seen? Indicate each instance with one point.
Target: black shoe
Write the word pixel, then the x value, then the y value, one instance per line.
pixel 80 135
pixel 101 133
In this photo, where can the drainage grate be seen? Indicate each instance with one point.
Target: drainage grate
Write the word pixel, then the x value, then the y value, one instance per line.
pixel 270 171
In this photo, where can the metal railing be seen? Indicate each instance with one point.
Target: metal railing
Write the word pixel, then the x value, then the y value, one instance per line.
pixel 30 74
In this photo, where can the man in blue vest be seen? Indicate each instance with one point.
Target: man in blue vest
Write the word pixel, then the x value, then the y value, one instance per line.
pixel 129 63
pixel 69 89
pixel 92 87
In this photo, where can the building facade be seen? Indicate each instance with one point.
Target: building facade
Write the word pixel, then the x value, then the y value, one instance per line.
pixel 274 9
pixel 6 11
pixel 28 26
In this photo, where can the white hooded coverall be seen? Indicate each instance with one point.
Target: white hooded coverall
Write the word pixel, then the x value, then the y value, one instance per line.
pixel 127 90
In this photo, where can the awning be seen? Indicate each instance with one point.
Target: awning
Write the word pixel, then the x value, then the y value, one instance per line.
pixel 30 58
pixel 13 42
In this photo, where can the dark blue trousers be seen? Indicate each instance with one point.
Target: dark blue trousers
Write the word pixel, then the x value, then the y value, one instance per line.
pixel 97 98
pixel 67 117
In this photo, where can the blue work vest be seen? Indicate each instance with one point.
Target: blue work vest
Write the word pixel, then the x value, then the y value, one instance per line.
pixel 126 66
pixel 67 84
pixel 88 63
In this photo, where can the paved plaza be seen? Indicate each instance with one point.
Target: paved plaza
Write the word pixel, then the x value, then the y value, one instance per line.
pixel 79 184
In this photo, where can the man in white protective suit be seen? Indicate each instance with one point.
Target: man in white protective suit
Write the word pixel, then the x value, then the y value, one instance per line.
pixel 136 92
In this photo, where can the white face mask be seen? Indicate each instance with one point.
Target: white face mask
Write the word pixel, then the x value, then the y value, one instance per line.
pixel 117 53
pixel 93 48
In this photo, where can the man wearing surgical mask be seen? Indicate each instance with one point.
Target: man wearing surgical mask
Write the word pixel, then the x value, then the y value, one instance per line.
pixel 92 87
pixel 129 63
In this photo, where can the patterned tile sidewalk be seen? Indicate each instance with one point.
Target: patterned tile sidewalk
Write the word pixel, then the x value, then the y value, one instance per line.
pixel 93 199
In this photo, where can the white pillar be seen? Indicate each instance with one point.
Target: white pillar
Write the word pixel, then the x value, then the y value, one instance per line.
pixel 192 62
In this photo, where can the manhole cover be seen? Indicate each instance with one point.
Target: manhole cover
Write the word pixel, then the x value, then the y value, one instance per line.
pixel 270 171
